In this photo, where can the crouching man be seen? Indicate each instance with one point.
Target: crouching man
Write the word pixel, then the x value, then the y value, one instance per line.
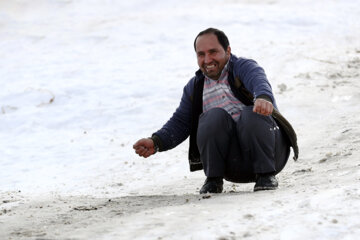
pixel 229 112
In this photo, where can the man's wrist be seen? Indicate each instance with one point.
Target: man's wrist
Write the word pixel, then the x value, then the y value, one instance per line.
pixel 265 97
pixel 156 145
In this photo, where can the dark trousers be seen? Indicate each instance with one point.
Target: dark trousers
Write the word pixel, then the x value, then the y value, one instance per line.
pixel 239 150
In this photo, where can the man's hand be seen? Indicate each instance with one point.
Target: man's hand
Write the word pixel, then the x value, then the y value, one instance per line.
pixel 144 147
pixel 263 107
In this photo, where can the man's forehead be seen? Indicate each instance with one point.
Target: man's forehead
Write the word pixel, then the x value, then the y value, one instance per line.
pixel 206 41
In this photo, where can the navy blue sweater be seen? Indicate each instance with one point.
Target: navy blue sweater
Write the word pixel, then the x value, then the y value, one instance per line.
pixel 178 127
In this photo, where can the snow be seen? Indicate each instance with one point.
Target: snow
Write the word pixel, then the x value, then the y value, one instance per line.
pixel 83 80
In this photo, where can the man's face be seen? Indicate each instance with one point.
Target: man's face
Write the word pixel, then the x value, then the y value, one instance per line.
pixel 211 56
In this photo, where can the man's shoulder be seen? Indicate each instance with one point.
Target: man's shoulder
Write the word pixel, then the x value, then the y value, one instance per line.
pixel 242 63
pixel 191 82
pixel 196 78
pixel 189 87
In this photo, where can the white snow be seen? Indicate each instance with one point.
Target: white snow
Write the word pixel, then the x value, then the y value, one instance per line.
pixel 81 81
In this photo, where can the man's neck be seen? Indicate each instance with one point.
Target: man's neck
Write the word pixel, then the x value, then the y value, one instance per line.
pixel 223 72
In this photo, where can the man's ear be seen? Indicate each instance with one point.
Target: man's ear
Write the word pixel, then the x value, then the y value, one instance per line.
pixel 228 51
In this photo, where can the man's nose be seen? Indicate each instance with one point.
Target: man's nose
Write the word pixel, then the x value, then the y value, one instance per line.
pixel 207 58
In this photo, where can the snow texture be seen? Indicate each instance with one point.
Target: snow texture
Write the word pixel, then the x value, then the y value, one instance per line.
pixel 81 81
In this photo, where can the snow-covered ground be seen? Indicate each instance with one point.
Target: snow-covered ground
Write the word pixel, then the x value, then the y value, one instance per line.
pixel 81 81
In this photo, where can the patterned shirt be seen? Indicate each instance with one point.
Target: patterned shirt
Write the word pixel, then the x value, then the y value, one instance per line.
pixel 218 94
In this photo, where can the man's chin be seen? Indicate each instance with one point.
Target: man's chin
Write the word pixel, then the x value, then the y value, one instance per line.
pixel 213 76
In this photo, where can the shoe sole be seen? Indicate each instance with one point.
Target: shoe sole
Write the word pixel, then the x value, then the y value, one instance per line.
pixel 217 191
pixel 264 188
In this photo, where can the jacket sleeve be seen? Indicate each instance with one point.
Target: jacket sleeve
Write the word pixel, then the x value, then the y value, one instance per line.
pixel 177 128
pixel 254 78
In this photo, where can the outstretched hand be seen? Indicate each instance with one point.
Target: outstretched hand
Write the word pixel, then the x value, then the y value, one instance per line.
pixel 144 147
pixel 263 107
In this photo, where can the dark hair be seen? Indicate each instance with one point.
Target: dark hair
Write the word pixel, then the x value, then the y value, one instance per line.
pixel 222 38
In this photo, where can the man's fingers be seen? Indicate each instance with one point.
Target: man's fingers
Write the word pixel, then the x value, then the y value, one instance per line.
pixel 263 107
pixel 137 144
pixel 265 110
pixel 144 152
pixel 259 108
pixel 138 148
pixel 147 154
pixel 144 147
pixel 141 150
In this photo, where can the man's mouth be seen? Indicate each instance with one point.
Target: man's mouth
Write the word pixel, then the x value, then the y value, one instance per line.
pixel 210 67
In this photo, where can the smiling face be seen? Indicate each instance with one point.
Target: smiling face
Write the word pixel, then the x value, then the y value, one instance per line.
pixel 211 56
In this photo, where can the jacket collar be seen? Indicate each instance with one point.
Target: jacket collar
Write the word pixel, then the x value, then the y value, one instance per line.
pixel 232 60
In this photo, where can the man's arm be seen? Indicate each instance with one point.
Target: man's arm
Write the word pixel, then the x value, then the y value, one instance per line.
pixel 255 80
pixel 175 131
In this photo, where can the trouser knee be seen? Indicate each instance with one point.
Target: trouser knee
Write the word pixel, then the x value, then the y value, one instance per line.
pixel 251 123
pixel 213 123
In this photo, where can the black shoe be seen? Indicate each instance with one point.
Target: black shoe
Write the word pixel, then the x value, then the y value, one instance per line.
pixel 266 182
pixel 212 185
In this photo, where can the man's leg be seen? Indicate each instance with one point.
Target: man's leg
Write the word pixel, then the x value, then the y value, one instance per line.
pixel 262 141
pixel 215 131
